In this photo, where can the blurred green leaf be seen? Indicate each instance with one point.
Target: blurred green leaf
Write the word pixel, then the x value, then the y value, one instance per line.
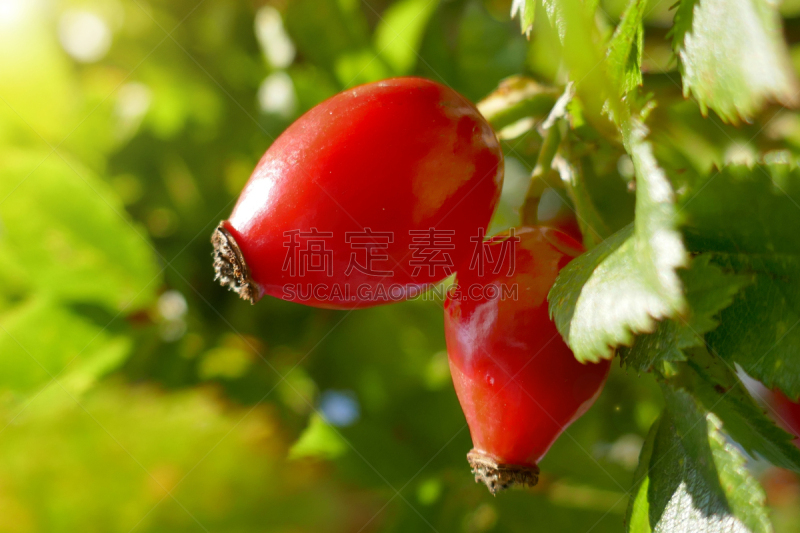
pixel 579 41
pixel 691 479
pixel 741 216
pixel 36 82
pixel 41 341
pixel 733 56
pixel 486 52
pixel 137 459
pixel 71 235
pixel 742 209
pixel 324 30
pixel 296 389
pixel 637 519
pixel 400 31
pixel 224 362
pixel 318 440
pixel 429 491
pixel 176 100
pixel 312 85
pixel 359 67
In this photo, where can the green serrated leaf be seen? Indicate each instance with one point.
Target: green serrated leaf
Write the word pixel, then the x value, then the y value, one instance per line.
pixel 70 234
pixel 694 479
pixel 682 22
pixel 715 384
pixel 743 217
pixel 571 283
pixel 526 9
pixel 733 56
pixel 637 518
pixel 626 47
pixel 708 290
pixel 629 282
pixel 400 31
pixel 40 340
pixel 761 329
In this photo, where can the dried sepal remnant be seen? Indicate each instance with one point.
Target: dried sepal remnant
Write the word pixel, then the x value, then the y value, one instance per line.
pixel 497 476
pixel 230 267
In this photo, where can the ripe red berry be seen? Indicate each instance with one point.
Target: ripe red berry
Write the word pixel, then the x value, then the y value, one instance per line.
pixel 517 381
pixel 403 171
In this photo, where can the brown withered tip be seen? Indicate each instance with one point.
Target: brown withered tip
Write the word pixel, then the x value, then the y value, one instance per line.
pixel 230 267
pixel 499 476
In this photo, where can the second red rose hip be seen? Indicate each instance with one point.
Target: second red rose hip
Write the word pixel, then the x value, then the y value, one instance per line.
pixel 518 383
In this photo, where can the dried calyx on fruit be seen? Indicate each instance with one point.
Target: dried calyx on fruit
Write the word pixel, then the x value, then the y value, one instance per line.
pixel 516 379
pixel 339 210
pixel 230 267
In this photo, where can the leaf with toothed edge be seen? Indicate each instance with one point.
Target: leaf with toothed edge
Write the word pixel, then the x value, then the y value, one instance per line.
pixel 742 217
pixel 626 47
pixel 733 56
pixel 690 478
pixel 526 9
pixel 716 385
pixel 708 290
pixel 621 288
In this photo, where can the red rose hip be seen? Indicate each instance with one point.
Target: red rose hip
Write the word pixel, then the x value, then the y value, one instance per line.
pixel 367 198
pixel 787 414
pixel 517 381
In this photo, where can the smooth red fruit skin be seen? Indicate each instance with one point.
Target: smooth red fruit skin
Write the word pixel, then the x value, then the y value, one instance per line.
pixel 392 156
pixel 788 414
pixel 568 224
pixel 517 381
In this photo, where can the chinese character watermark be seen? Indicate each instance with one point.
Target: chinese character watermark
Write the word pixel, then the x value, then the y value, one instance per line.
pixel 483 253
pixel 307 252
pixel 428 248
pixel 370 242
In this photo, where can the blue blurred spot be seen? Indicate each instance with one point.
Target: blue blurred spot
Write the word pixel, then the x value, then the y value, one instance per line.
pixel 339 408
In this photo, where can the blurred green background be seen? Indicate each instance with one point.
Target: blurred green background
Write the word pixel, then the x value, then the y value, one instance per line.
pixel 138 395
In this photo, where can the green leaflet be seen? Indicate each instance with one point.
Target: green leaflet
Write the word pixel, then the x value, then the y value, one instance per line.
pixel 41 340
pixel 691 479
pixel 628 282
pixel 733 56
pixel 714 383
pixel 743 218
pixel 624 61
pixel 69 235
pixel 708 290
